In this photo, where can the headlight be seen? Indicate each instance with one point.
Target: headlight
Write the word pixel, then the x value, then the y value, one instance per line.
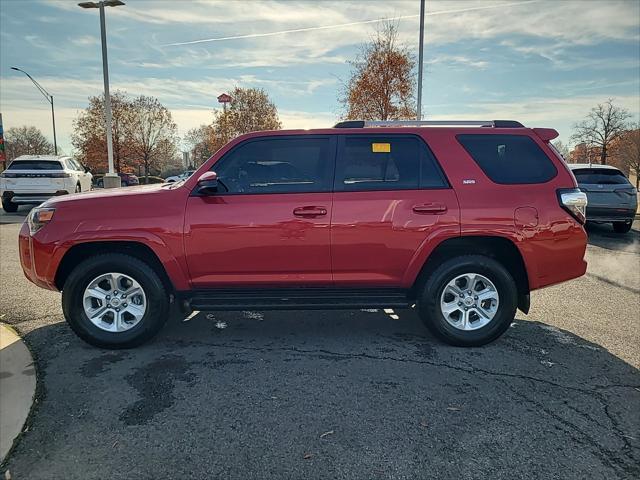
pixel 38 218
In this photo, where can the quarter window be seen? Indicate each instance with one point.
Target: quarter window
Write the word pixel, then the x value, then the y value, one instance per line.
pixel 509 159
pixel 387 163
pixel 277 165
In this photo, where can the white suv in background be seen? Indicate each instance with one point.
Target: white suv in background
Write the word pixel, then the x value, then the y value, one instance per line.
pixel 32 179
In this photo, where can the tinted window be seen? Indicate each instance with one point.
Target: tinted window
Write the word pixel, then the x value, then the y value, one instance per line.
pixel 509 159
pixel 387 163
pixel 600 176
pixel 35 165
pixel 277 165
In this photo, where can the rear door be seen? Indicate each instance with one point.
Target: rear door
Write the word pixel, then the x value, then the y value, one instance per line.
pixel 390 200
pixel 269 222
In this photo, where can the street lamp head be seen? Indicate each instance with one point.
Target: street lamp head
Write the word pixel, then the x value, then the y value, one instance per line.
pixel 16 68
pixel 105 3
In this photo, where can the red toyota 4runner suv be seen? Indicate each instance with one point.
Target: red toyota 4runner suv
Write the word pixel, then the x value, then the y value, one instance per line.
pixel 460 219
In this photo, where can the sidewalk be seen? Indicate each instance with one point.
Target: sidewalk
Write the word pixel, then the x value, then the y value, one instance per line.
pixel 17 386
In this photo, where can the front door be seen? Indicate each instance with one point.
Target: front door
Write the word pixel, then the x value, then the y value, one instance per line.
pixel 390 198
pixel 269 222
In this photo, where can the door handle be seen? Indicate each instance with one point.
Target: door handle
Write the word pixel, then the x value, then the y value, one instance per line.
pixel 310 211
pixel 430 209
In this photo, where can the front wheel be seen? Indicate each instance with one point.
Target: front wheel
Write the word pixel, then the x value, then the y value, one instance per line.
pixel 115 301
pixel 622 227
pixel 468 301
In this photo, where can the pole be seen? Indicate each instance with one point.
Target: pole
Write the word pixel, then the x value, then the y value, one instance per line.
pixel 53 119
pixel 114 181
pixel 420 60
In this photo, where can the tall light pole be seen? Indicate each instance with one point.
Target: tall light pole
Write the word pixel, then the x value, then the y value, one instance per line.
pixel 111 179
pixel 420 58
pixel 49 98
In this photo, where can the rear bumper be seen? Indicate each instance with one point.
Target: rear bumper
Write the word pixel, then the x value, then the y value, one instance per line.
pixel 31 198
pixel 606 214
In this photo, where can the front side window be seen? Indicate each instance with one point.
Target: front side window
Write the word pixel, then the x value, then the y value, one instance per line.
pixel 277 165
pixel 387 163
pixel 509 159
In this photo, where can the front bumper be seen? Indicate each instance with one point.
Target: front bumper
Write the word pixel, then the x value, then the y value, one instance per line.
pixel 35 259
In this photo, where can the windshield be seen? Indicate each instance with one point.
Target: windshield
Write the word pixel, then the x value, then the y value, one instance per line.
pixel 600 176
pixel 35 165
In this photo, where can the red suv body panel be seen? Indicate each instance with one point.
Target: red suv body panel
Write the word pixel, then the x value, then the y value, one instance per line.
pixel 375 238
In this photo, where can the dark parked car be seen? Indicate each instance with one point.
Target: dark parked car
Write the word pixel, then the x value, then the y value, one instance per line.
pixel 610 195
pixel 126 180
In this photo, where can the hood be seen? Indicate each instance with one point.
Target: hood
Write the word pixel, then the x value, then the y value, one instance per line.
pixel 106 193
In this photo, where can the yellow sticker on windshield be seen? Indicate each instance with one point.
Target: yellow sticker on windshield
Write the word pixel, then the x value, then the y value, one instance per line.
pixel 381 147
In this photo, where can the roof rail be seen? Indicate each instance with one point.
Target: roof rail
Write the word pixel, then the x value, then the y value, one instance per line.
pixel 429 123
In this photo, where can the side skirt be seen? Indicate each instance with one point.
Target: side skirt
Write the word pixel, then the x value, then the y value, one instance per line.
pixel 296 298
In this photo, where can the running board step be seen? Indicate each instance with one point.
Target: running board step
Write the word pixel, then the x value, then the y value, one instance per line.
pixel 298 298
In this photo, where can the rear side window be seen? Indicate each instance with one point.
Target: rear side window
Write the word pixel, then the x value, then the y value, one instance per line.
pixel 509 159
pixel 387 163
pixel 600 176
pixel 35 165
pixel 277 165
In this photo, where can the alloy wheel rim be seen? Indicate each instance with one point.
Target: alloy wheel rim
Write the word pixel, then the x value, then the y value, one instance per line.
pixel 114 302
pixel 469 301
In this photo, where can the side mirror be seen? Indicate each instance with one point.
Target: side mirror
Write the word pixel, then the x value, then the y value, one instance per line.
pixel 86 169
pixel 208 183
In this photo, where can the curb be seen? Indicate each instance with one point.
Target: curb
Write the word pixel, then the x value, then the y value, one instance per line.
pixel 17 387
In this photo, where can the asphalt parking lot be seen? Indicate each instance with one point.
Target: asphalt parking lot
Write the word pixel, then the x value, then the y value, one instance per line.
pixel 341 394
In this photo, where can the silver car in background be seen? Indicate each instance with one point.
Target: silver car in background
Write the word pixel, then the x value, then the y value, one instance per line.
pixel 610 195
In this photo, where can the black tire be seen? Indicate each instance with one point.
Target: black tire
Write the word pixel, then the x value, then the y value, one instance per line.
pixel 123 183
pixel 100 183
pixel 622 227
pixel 9 207
pixel 429 300
pixel 157 301
pixel 78 188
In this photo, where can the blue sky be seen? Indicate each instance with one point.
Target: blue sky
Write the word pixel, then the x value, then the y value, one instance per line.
pixel 545 63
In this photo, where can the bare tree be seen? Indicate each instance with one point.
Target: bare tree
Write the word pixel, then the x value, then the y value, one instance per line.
pixel 563 150
pixel 26 140
pixel 382 81
pixel 153 135
pixel 601 127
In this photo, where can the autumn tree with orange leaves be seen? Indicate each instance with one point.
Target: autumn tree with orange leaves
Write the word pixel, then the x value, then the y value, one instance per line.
pixel 382 81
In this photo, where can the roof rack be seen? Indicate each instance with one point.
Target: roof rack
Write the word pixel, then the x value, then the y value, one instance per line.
pixel 429 123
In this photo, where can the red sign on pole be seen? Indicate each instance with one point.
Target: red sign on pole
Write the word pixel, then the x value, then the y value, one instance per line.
pixel 224 98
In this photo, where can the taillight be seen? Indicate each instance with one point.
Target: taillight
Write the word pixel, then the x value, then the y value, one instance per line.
pixel 59 175
pixel 7 175
pixel 574 201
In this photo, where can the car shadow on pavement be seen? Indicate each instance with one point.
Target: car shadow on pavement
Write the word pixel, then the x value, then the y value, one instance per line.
pixel 330 394
pixel 602 235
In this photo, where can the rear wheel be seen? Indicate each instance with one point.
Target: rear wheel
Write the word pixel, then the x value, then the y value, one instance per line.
pixel 622 227
pixel 78 188
pixel 115 301
pixel 8 206
pixel 468 301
